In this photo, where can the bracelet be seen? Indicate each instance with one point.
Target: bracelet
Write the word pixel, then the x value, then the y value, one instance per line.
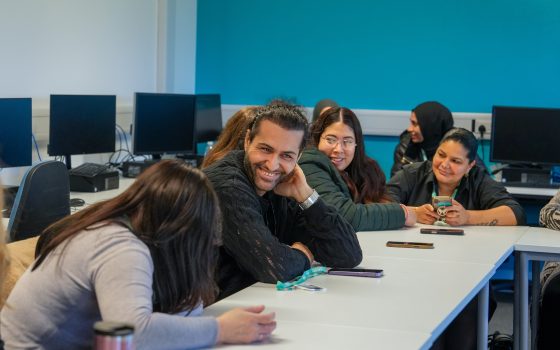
pixel 405 211
pixel 309 201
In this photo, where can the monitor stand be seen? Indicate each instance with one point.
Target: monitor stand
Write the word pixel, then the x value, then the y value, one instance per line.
pixel 191 159
pixel 68 161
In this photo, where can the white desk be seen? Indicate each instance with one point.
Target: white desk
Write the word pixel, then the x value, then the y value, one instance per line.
pixel 92 197
pixel 480 244
pixel 537 244
pixel 414 296
pixel 303 335
pixel 532 191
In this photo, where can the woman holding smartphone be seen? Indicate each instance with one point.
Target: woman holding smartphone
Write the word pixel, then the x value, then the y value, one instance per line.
pixel 145 257
pixel 476 199
pixel 337 167
pixel 453 178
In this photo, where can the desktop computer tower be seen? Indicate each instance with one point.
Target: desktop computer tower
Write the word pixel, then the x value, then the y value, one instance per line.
pixel 526 175
pixel 108 180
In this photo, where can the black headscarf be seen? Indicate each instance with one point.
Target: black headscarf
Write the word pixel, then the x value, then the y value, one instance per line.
pixel 321 105
pixel 434 120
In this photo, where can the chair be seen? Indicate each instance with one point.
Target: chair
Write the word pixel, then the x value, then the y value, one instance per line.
pixel 22 255
pixel 547 333
pixel 43 197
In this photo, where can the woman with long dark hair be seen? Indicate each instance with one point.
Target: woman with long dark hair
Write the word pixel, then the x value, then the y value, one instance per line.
pixel 337 167
pixel 232 136
pixel 146 257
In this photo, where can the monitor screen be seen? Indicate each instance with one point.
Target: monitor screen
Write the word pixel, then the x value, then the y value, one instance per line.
pixel 15 132
pixel 525 135
pixel 82 124
pixel 208 117
pixel 163 123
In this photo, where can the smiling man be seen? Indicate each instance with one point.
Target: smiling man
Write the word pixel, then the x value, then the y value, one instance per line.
pixel 274 224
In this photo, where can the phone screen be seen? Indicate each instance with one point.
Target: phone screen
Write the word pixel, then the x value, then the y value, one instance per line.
pixel 356 272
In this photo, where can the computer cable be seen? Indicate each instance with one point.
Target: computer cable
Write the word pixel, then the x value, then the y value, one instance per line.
pixel 36 146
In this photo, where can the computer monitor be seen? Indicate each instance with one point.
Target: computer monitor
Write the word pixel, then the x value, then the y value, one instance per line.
pixel 208 117
pixel 523 135
pixel 15 132
pixel 82 124
pixel 163 124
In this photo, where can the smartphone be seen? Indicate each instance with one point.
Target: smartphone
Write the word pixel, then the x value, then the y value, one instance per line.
pixel 440 204
pixel 443 231
pixel 418 245
pixel 356 272
pixel 310 287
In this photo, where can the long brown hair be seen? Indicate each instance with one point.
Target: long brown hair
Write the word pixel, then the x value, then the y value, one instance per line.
pixel 364 177
pixel 231 138
pixel 172 209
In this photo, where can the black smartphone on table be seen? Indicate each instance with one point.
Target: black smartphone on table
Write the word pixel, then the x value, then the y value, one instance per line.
pixel 356 272
pixel 418 245
pixel 443 231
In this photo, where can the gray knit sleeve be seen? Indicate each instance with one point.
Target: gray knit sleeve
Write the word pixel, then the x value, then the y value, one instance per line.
pixel 122 271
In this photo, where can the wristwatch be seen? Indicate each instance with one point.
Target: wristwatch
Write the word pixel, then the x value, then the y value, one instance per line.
pixel 309 201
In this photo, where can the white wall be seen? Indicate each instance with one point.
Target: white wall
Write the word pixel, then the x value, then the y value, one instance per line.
pixel 181 46
pixel 77 47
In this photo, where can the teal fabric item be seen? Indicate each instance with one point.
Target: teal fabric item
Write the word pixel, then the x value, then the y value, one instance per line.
pixel 326 180
pixel 307 274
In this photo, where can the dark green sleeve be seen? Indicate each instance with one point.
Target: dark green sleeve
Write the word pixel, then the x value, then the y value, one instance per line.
pixel 324 178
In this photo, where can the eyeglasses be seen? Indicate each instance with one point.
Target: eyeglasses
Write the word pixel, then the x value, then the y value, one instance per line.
pixel 347 142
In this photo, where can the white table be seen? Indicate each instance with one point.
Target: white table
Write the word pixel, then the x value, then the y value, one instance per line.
pixel 532 191
pixel 414 296
pixel 92 197
pixel 480 244
pixel 537 244
pixel 291 335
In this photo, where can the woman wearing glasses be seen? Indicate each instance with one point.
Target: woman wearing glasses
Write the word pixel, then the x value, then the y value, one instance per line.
pixel 337 167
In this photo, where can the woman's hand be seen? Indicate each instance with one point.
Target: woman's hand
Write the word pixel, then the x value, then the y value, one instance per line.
pixel 425 214
pixel 410 214
pixel 245 325
pixel 456 214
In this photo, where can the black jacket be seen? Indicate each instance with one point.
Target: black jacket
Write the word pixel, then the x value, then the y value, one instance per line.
pixel 407 152
pixel 413 185
pixel 258 231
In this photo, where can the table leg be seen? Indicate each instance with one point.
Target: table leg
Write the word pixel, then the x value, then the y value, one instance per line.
pixel 520 304
pixel 482 334
pixel 535 297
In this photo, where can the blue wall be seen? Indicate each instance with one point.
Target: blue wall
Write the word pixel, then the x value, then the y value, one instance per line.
pixel 381 54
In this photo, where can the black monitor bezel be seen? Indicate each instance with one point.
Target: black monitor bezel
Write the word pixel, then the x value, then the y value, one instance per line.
pixel 58 148
pixel 213 136
pixel 25 157
pixel 525 162
pixel 189 150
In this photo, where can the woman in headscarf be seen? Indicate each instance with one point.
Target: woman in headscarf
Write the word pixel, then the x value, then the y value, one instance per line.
pixel 429 121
